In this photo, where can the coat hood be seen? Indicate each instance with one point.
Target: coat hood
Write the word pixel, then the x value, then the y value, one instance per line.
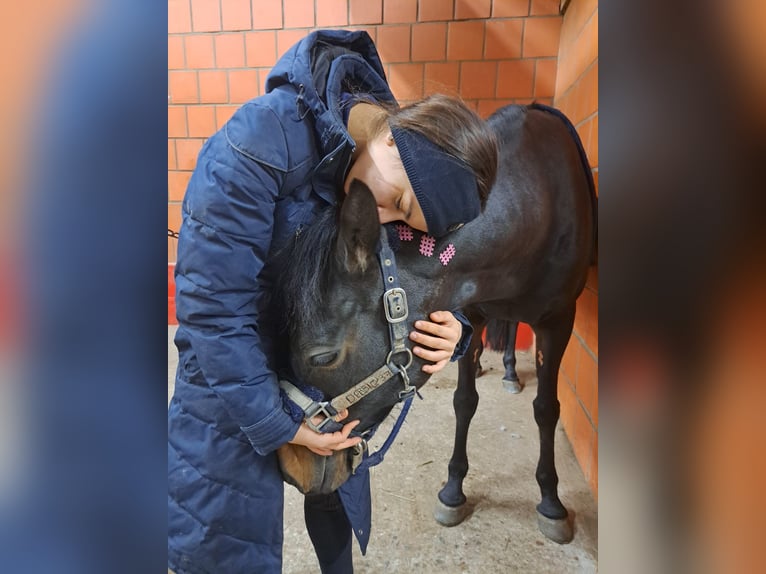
pixel 324 65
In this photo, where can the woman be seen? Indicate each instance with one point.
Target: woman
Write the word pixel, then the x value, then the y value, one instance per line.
pixel 327 117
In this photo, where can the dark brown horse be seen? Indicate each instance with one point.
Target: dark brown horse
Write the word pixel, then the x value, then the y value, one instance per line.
pixel 524 259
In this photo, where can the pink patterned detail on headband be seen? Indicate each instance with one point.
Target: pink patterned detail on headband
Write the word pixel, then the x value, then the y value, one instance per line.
pixel 427 245
pixel 447 254
pixel 405 232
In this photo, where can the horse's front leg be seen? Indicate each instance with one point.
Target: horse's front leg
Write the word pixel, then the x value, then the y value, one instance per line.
pixel 511 379
pixel 451 507
pixel 552 338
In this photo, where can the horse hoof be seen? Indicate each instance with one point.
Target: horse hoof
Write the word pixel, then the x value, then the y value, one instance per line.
pixel 557 529
pixel 512 386
pixel 450 515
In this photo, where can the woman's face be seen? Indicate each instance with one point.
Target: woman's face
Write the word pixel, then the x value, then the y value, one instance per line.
pixel 380 168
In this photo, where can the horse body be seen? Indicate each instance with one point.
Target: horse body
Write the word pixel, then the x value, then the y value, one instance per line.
pixel 524 259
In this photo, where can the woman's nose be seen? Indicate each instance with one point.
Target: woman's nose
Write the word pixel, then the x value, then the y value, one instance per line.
pixel 385 215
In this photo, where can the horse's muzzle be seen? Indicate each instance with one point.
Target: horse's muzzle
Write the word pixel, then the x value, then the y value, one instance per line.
pixel 311 473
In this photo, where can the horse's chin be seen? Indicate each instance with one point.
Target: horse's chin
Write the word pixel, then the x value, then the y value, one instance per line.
pixel 312 473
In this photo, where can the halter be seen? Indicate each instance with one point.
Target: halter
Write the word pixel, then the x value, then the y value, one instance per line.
pixel 396 310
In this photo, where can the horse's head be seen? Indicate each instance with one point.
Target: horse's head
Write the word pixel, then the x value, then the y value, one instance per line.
pixel 348 329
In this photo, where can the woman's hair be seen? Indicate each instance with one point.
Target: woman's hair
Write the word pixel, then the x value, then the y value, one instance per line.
pixel 447 122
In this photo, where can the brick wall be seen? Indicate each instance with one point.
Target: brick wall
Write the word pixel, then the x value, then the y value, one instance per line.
pixel 576 94
pixel 490 52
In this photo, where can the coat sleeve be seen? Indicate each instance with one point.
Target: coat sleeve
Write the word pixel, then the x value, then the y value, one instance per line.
pixel 228 221
pixel 465 340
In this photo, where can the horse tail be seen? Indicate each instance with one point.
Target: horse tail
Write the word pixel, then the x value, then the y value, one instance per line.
pixel 585 166
pixel 496 335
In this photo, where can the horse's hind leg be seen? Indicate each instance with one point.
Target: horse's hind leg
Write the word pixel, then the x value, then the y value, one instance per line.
pixel 451 507
pixel 552 338
pixel 511 379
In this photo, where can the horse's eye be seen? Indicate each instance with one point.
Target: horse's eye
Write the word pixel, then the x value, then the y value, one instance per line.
pixel 323 359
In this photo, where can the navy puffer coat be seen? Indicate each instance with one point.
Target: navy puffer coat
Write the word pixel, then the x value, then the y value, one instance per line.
pixel 279 160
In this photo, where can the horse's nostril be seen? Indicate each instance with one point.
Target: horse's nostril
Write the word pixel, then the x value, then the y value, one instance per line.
pixel 324 359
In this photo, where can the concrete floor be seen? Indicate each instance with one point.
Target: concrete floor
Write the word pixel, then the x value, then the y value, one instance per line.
pixel 501 534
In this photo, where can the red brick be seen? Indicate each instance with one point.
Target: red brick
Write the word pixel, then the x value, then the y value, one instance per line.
pixel 570 358
pixel 515 79
pixel 394 43
pixel 174 216
pixel 544 8
pixel 429 42
pixel 586 384
pixel 177 122
pixel 431 10
pixel 187 151
pixel 488 107
pixel 177 182
pixel 568 403
pixel 578 49
pixel 230 51
pixel 287 38
pixel 465 41
pixel 223 114
pixel 477 79
pixel 267 14
pixel 201 121
pixel 298 13
pixel 510 8
pixel 586 319
pixel 541 37
pixel 261 49
pixel 235 15
pixel 243 85
pixel 176 53
pixel 206 16
pixel 442 78
pixel 171 154
pixel 199 51
pixel 179 16
pixel 472 9
pixel 578 13
pixel 503 40
pixel 331 13
pixel 183 87
pixel 406 81
pixel 545 78
pixel 212 87
pixel 581 438
pixel 400 11
pixel 366 11
pixel 589 83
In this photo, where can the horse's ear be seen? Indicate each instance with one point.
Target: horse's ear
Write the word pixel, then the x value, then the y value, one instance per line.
pixel 359 229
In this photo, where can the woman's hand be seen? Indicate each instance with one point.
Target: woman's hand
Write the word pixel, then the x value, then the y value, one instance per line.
pixel 441 335
pixel 325 443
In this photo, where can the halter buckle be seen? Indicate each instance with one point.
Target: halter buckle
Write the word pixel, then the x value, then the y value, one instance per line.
pixel 395 305
pixel 324 409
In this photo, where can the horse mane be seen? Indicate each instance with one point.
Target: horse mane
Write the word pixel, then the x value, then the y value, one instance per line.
pixel 306 267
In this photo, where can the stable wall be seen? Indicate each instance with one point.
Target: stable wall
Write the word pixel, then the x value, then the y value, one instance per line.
pixel 489 52
pixel 576 94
